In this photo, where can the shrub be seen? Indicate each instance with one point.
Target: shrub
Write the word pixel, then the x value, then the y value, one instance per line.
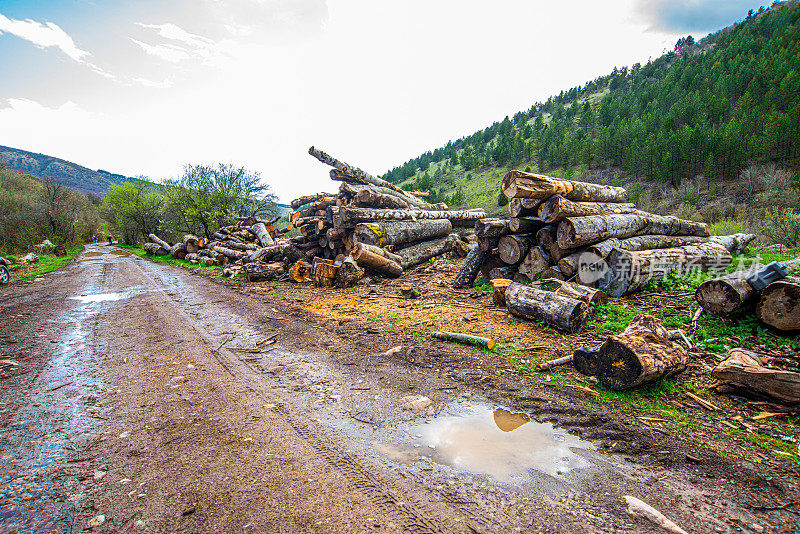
pixel 502 199
pixel 782 225
pixel 728 226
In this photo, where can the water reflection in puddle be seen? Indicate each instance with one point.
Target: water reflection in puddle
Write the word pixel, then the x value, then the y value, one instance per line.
pixel 492 441
pixel 104 297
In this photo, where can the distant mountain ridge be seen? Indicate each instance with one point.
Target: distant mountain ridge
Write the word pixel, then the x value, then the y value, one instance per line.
pixel 61 171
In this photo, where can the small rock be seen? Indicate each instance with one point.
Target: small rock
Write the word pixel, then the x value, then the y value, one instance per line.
pixel 125 434
pixel 125 481
pixel 415 403
pixel 96 521
pixel 139 523
pixel 98 475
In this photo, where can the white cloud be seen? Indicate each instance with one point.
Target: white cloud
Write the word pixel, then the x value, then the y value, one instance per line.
pixel 164 84
pixel 176 33
pixel 171 53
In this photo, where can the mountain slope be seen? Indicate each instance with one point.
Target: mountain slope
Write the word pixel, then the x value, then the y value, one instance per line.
pixel 706 109
pixel 62 171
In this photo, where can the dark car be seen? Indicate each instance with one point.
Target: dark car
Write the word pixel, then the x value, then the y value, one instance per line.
pixel 3 271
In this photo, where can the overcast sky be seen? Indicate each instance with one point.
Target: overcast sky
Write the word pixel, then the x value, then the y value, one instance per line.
pixel 143 87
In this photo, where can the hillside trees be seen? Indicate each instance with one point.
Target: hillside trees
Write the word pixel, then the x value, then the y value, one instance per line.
pixel 135 208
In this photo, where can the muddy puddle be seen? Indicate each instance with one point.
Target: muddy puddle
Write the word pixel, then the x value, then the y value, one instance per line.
pixel 98 255
pixel 108 297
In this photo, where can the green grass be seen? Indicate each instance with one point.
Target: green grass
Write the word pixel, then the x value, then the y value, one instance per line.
pixel 47 263
pixel 168 260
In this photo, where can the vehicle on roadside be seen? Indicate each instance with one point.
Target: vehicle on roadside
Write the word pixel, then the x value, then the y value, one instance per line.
pixel 4 276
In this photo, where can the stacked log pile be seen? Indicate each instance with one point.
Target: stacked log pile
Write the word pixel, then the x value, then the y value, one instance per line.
pixel 373 225
pixel 554 223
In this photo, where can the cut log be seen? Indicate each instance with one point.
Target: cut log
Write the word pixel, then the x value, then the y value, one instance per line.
pixel 467 339
pixel 422 252
pixel 460 247
pixel 735 243
pixel 155 249
pixel 487 244
pixel 524 226
pixel 779 305
pixel 545 237
pixel 533 304
pixel 259 272
pixel 746 371
pixel 491 263
pixel 300 271
pixel 535 262
pixel 641 354
pixel 375 262
pixel 192 257
pixel 578 231
pixel 557 207
pixel 323 272
pixel 244 247
pixel 731 292
pixel 348 274
pixel 178 251
pixel 579 292
pixel 553 273
pixel 262 234
pixel 631 271
pixel 499 285
pixel 506 271
pixel 396 232
pixel 160 242
pixel 470 268
pixel 190 244
pixel 524 207
pixel 307 199
pixel 231 254
pixel 513 248
pixel 491 227
pixel 350 216
pixel 382 252
pixel 568 265
pixel 518 184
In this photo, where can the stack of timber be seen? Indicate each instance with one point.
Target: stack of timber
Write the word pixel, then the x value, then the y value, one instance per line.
pixel 589 234
pixel 374 225
pixel 251 245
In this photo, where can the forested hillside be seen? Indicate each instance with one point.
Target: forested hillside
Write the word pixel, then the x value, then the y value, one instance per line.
pixel 681 130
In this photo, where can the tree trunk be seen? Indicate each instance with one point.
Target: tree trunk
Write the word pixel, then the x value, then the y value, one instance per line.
pixel 349 273
pixel 779 305
pixel 735 243
pixel 553 273
pixel 155 249
pixel 523 207
pixel 422 252
pixel 467 339
pixel 190 244
pixel 513 248
pixel 259 272
pixel 350 216
pixel 470 268
pixel 369 198
pixel 641 354
pixel 524 226
pixel 229 253
pixel 178 251
pixel 160 242
pixel 746 371
pixel 535 262
pixel 491 227
pixel 382 252
pixel 578 231
pixel 631 271
pixel 397 232
pixel 580 292
pixel 307 199
pixel 533 304
pixel 375 262
pixel 518 184
pixel 557 207
pixel 272 253
pixel 260 229
pixel 506 271
pixel 487 244
pixel 568 265
pixel 244 247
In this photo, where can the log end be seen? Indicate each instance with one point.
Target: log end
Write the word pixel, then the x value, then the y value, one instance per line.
pixel 718 297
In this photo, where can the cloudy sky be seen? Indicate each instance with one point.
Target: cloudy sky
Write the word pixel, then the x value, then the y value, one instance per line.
pixel 143 87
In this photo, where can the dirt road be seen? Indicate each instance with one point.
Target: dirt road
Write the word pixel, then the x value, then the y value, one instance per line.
pixel 142 398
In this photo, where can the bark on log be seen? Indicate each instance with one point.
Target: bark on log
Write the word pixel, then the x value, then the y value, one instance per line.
pixel 178 251
pixel 369 198
pixel 568 265
pixel 397 232
pixel 491 227
pixel 491 263
pixel 155 249
pixel 728 293
pixel 533 304
pixel 190 244
pixel 499 286
pixel 375 262
pixel 307 199
pixel 467 339
pixel 746 371
pixel 348 274
pixel 382 252
pixel 779 305
pixel 630 271
pixel 557 207
pixel 323 271
pixel 260 229
pixel 470 268
pixel 259 272
pixel 545 237
pixel 553 273
pixel 350 216
pixel 524 226
pixel 578 231
pixel 506 271
pixel 487 244
pixel 641 354
pixel 244 247
pixel 422 252
pixel 524 207
pixel 518 184
pixel 735 243
pixel 192 257
pixel 535 262
pixel 230 253
pixel 579 292
pixel 513 248
pixel 160 242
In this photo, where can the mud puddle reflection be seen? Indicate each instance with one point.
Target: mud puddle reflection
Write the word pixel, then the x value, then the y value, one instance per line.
pixel 106 297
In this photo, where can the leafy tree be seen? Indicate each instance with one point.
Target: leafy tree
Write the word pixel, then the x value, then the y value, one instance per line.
pixel 135 207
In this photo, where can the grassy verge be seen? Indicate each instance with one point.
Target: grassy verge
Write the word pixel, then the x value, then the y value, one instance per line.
pixel 47 263
pixel 168 260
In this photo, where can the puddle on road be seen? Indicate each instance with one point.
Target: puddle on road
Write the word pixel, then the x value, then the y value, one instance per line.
pixel 94 255
pixel 105 297
pixel 494 442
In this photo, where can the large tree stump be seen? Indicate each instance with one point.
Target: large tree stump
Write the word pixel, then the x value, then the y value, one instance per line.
pixel 579 231
pixel 779 305
pixel 533 304
pixel 375 262
pixel 421 252
pixel 631 271
pixel 499 286
pixel 397 232
pixel 513 248
pixel 518 184
pixel 641 354
pixel 557 207
pixel 470 268
pixel 746 371
pixel 731 292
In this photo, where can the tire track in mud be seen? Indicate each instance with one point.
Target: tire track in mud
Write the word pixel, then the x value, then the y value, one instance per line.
pixel 412 515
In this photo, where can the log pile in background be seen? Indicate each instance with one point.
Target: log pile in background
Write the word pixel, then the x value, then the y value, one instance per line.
pixel 554 222
pixel 373 225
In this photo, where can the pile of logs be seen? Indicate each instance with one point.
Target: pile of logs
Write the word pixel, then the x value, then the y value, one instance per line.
pixel 590 234
pixel 373 225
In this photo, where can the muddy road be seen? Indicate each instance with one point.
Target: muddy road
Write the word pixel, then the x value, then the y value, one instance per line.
pixel 142 398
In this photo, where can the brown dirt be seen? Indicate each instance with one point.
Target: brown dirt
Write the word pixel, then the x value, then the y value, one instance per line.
pixel 168 410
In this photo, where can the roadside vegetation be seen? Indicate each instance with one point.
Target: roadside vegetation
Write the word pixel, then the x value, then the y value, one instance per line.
pixel 47 263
